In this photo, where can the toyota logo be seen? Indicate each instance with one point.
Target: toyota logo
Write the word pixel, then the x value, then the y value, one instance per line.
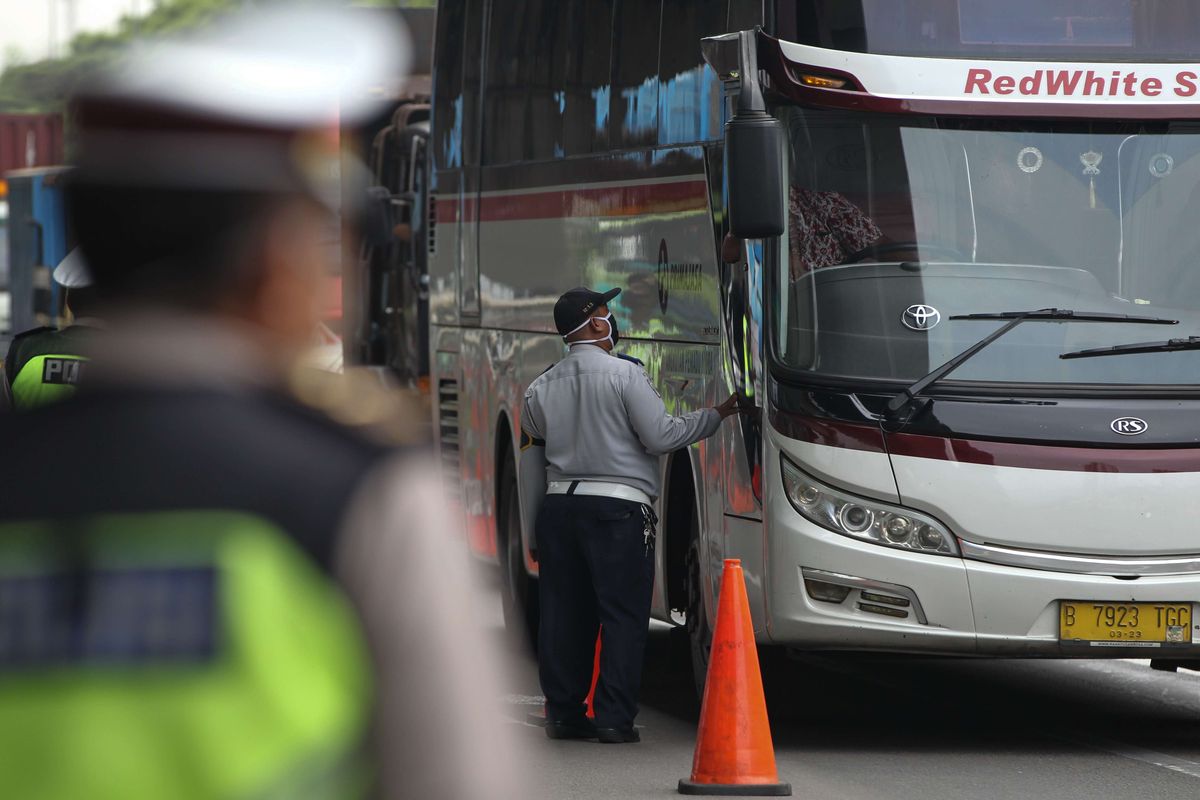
pixel 1128 426
pixel 920 318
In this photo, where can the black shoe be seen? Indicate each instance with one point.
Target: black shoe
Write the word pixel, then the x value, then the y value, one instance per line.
pixel 558 729
pixel 618 735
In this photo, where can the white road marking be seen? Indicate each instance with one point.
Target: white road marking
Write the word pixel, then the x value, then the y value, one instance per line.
pixel 523 699
pixel 1180 765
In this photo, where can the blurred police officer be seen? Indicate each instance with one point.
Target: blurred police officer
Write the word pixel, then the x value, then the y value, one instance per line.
pixel 603 427
pixel 45 364
pixel 209 588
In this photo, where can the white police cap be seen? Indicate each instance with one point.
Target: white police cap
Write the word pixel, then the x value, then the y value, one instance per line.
pixel 72 272
pixel 249 104
pixel 282 66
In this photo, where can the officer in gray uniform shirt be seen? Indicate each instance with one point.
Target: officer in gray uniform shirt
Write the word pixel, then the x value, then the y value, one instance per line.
pixel 604 429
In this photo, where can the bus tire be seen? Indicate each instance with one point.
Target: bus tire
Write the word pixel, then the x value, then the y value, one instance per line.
pixel 518 590
pixel 698 629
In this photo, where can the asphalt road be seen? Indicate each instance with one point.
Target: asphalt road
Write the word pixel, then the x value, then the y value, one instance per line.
pixel 850 728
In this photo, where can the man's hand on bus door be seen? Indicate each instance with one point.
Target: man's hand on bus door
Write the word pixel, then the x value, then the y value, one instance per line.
pixel 734 405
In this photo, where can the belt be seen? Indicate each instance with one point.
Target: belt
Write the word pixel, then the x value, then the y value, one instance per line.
pixel 599 489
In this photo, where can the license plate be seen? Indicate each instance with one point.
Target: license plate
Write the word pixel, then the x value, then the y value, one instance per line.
pixel 1124 624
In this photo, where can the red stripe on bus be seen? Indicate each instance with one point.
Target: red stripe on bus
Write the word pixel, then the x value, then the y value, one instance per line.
pixel 1063 458
pixel 614 201
pixel 867 438
pixel 1039 456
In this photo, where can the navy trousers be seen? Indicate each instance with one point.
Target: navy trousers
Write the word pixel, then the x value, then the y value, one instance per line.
pixel 595 571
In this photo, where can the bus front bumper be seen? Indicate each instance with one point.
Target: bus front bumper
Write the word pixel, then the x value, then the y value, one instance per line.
pixel 899 601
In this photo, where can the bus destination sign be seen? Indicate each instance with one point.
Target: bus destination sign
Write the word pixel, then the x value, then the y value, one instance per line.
pixel 1079 83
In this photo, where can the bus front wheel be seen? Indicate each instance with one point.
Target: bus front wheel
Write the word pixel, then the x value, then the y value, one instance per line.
pixel 699 632
pixel 518 590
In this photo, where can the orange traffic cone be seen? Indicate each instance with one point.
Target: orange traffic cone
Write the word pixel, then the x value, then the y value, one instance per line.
pixel 734 754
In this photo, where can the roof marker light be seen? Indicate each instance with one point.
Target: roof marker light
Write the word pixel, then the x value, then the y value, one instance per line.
pixel 822 82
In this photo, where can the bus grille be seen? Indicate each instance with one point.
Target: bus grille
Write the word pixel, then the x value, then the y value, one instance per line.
pixel 448 436
pixel 431 224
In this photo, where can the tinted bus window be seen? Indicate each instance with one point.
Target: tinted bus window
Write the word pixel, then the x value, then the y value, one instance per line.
pixel 544 43
pixel 472 37
pixel 1017 22
pixel 689 94
pixel 507 94
pixel 447 87
pixel 634 114
pixel 744 15
pixel 588 89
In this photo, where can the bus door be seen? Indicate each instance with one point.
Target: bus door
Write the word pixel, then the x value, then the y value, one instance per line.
pixel 740 268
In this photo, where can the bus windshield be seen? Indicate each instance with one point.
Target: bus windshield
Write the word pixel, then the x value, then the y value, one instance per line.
pixel 898 223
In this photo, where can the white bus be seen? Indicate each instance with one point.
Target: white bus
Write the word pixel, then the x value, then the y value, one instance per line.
pixel 924 246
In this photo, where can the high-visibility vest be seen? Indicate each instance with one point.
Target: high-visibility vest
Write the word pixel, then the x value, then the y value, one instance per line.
pixel 180 654
pixel 45 365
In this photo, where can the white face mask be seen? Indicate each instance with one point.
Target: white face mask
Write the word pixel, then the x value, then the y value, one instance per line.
pixel 612 329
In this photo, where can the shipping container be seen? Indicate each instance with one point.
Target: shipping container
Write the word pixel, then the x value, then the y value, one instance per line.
pixel 30 140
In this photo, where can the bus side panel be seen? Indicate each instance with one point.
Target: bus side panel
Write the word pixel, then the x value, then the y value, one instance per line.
pixel 615 250
pixel 477 403
pixel 536 353
pixel 445 227
pixel 646 227
pixel 494 379
pixel 648 231
pixel 450 419
pixel 685 374
pixel 741 321
pixel 744 540
pixel 735 452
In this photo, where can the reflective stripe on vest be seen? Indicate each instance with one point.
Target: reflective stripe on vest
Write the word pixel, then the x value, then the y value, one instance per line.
pixel 46 379
pixel 184 655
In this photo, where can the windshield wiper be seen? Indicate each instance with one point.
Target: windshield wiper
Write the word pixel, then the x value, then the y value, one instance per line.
pixel 1170 345
pixel 906 396
pixel 1056 314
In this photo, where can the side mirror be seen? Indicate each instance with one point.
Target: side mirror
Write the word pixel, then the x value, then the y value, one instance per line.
pixel 378 218
pixel 754 169
pixel 754 140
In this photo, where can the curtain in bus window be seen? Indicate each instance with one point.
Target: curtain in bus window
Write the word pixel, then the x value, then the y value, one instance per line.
pixel 689 93
pixel 1159 176
pixel 634 102
pixel 588 87
pixel 939 195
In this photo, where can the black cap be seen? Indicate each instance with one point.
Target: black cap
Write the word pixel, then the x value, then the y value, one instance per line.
pixel 575 306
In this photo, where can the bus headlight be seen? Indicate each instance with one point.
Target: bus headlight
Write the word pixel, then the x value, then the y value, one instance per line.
pixel 860 518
